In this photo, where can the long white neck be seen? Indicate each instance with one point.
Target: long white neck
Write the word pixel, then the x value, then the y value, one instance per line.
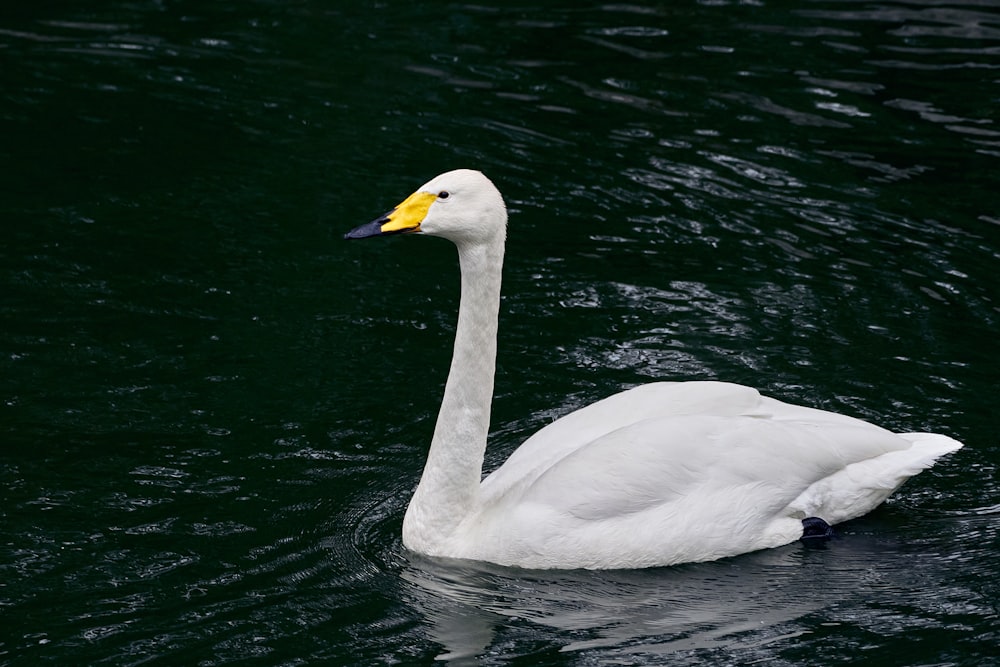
pixel 449 487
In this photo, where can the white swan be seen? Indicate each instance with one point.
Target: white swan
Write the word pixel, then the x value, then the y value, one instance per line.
pixel 660 474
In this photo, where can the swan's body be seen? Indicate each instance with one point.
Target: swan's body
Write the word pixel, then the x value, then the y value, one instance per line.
pixel 660 474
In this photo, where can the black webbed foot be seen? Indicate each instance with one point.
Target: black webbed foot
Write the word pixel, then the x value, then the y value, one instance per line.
pixel 816 530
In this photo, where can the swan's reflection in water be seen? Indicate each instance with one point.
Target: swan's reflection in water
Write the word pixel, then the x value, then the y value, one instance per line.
pixel 753 604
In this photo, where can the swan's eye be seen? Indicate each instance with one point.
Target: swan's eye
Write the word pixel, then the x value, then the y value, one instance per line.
pixel 444 194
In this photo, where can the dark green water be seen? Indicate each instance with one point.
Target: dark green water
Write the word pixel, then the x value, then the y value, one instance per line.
pixel 214 410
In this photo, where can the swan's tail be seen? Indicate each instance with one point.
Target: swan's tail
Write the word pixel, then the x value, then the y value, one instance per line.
pixel 899 466
pixel 929 447
pixel 926 449
pixel 862 486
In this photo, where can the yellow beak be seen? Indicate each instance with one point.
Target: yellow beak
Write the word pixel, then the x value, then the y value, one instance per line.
pixel 405 218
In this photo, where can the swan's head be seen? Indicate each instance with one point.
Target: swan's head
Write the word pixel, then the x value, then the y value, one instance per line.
pixel 462 206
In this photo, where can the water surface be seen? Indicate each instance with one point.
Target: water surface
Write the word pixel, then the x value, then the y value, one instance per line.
pixel 214 410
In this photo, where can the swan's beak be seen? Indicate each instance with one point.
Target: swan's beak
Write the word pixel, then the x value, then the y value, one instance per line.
pixel 403 219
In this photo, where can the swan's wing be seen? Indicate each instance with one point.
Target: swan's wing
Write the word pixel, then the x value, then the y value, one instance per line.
pixel 757 466
pixel 692 488
pixel 582 427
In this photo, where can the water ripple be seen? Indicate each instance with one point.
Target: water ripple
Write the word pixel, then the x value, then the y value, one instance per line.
pixel 673 614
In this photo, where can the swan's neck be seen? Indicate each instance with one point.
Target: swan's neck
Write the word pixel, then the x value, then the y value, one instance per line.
pixel 449 487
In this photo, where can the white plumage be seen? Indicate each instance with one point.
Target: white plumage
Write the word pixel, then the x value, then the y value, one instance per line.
pixel 661 474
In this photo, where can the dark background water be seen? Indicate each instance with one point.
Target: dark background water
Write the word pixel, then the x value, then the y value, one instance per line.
pixel 214 410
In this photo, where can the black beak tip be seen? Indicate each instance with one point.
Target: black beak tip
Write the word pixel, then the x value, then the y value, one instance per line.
pixel 373 228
